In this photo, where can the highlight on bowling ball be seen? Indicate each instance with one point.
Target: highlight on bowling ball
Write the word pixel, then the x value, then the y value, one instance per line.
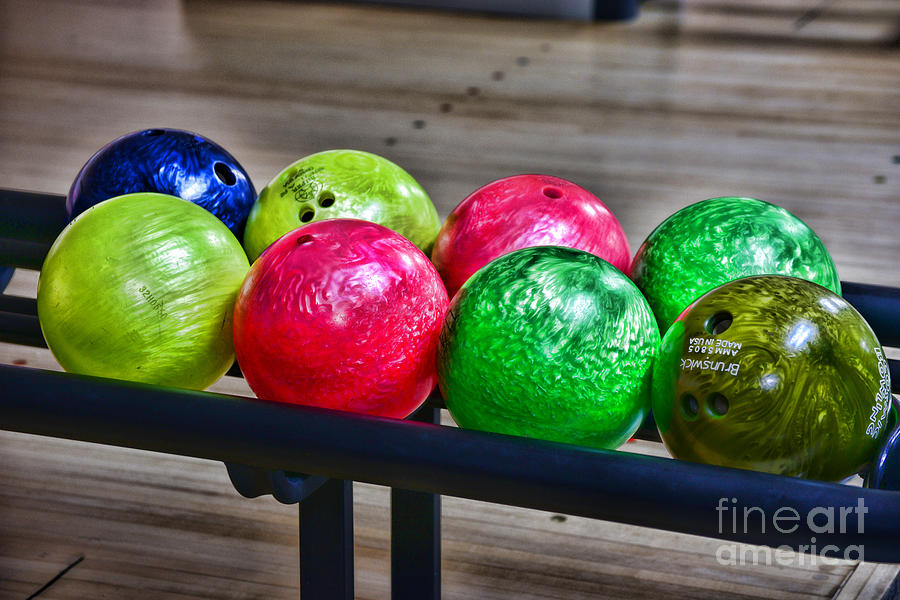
pixel 166 161
pixel 773 374
pixel 520 212
pixel 342 314
pixel 142 287
pixel 715 241
pixel 341 184
pixel 551 343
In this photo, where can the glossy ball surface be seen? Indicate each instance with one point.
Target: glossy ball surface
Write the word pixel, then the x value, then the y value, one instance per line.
pixel 342 184
pixel 520 212
pixel 166 161
pixel 341 314
pixel 552 343
pixel 142 287
pixel 772 374
pixel 715 241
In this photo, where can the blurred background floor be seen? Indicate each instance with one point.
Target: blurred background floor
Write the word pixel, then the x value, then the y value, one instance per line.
pixel 796 102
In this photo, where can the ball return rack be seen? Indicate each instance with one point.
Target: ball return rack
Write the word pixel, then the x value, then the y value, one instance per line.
pixel 311 456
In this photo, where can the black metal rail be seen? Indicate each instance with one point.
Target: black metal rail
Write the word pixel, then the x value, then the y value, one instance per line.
pixel 611 485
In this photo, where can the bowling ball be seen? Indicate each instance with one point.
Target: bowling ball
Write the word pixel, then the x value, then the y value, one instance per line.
pixel 142 287
pixel 341 314
pixel 520 212
pixel 715 241
pixel 552 343
pixel 166 161
pixel 884 473
pixel 773 374
pixel 341 184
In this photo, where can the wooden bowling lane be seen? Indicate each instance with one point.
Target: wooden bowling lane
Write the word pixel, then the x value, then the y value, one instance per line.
pixel 791 101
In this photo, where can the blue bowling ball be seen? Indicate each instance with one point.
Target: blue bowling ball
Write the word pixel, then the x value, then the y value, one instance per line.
pixel 884 473
pixel 167 161
pixel 6 274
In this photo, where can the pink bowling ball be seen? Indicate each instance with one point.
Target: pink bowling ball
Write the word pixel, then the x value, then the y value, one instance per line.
pixel 520 212
pixel 341 314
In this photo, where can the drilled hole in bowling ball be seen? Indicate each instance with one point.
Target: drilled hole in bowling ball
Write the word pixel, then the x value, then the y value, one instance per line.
pixel 717 405
pixel 552 192
pixel 718 323
pixel 689 406
pixel 304 239
pixel 224 174
pixel 306 215
pixel 154 132
pixel 326 199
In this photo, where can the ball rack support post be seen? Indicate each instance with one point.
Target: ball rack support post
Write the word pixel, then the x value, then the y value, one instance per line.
pixel 326 542
pixel 416 535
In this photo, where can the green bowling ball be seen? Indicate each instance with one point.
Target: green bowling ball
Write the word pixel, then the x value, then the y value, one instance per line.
pixel 338 184
pixel 773 374
pixel 551 343
pixel 142 287
pixel 715 241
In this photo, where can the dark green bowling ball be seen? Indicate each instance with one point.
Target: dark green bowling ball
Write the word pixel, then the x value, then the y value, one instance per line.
pixel 773 374
pixel 551 343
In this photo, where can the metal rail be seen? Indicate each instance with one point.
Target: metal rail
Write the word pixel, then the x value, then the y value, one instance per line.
pixel 616 486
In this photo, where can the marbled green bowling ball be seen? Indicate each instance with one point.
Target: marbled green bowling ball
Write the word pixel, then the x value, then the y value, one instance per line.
pixel 552 343
pixel 342 184
pixel 715 241
pixel 772 374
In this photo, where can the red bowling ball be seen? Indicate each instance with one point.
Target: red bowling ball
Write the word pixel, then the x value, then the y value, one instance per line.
pixel 520 212
pixel 341 314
